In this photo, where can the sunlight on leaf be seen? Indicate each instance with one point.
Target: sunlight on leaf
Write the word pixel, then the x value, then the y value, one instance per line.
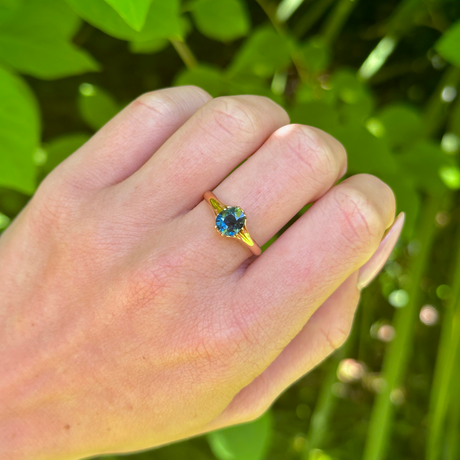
pixel 223 20
pixel 287 8
pixel 162 19
pixel 19 133
pixel 35 41
pixel 134 12
pixel 450 176
pixel 448 45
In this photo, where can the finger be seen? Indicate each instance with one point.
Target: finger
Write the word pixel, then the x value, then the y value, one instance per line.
pixel 324 332
pixel 282 288
pixel 295 166
pixel 127 141
pixel 202 152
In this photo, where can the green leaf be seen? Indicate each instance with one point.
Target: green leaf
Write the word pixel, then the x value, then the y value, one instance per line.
pixel 315 113
pixel 424 162
pixel 162 20
pixel 35 41
pixel 263 53
pixel 8 8
pixel 45 60
pixel 251 84
pixel 448 45
pixel 316 54
pixel 454 119
pixel 366 153
pixel 450 175
pixel 195 449
pixel 358 112
pixel 347 87
pixel 152 46
pixel 134 12
pixel 402 124
pixel 206 77
pixel 354 100
pixel 19 133
pixel 60 148
pixel 96 105
pixel 47 18
pixel 313 91
pixel 407 200
pixel 248 441
pixel 222 20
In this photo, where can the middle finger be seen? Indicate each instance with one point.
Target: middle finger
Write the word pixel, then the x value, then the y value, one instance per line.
pixel 203 151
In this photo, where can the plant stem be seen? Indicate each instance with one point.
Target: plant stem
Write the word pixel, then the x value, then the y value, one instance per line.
pixel 327 401
pixel 296 56
pixel 311 18
pixel 185 53
pixel 287 8
pixel 397 356
pixel 336 20
pixel 436 109
pixel 377 57
pixel 326 404
pixel 367 307
pixel 453 425
pixel 444 385
pixel 399 24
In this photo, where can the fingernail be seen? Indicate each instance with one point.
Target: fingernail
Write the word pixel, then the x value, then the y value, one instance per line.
pixel 371 268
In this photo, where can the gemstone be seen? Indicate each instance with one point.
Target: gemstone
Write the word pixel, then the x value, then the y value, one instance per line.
pixel 230 221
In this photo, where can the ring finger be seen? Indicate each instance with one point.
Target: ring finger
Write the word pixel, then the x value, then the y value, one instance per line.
pixel 295 166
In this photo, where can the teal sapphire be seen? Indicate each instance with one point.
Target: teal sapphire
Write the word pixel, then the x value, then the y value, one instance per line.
pixel 230 221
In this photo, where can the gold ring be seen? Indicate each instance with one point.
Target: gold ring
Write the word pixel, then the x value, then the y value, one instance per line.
pixel 231 222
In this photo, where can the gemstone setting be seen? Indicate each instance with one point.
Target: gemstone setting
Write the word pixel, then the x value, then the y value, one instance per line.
pixel 230 221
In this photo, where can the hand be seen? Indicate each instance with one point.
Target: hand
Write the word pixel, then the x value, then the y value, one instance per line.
pixel 128 322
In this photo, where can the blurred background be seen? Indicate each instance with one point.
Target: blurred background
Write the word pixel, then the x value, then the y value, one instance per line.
pixel 383 77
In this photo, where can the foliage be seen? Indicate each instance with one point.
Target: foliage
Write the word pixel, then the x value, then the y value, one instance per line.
pixel 380 76
pixel 249 441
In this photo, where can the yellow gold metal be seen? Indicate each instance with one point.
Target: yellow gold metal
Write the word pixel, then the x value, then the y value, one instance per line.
pixel 245 237
pixel 216 206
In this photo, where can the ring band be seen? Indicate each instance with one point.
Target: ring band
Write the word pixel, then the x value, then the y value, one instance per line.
pixel 231 222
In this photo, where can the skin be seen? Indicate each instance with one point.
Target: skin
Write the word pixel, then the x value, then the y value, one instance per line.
pixel 127 322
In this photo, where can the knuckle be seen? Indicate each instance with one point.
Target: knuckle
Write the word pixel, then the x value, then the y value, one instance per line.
pixel 166 105
pixel 306 148
pixel 230 116
pixel 197 93
pixel 385 192
pixel 159 102
pixel 360 220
